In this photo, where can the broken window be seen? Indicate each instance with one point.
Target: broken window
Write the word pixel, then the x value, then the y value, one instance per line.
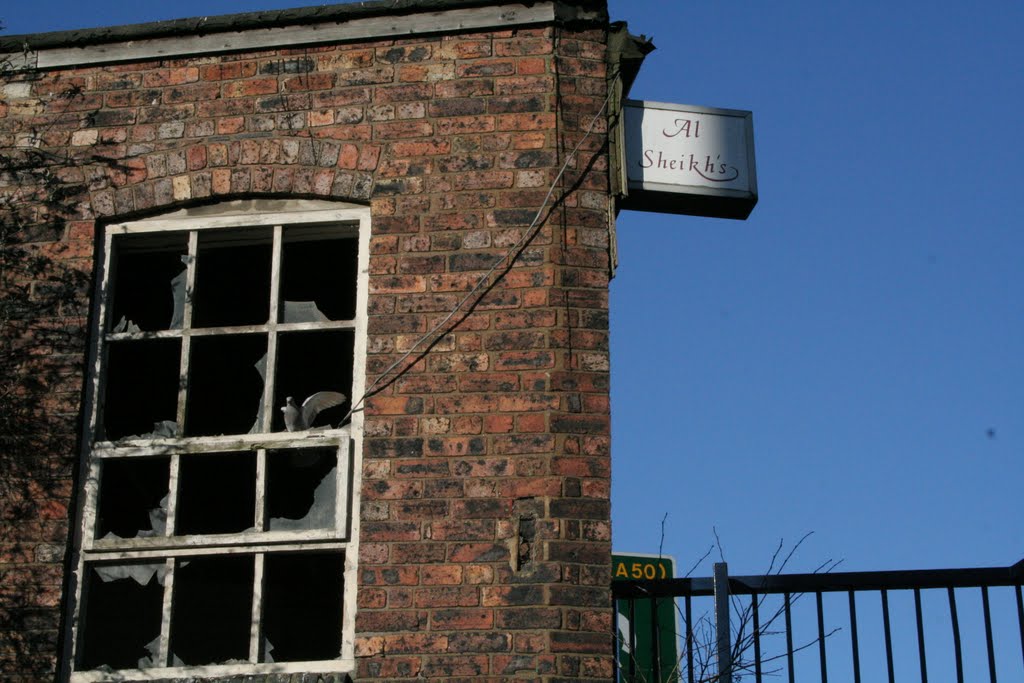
pixel 212 610
pixel 219 493
pixel 302 488
pixel 302 594
pixel 123 616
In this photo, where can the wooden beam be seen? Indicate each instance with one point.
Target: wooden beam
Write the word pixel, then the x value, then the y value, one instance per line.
pixel 371 28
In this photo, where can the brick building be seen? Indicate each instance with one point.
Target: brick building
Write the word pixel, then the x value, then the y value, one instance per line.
pixel 305 345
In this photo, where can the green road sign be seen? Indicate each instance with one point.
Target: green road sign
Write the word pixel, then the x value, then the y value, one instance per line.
pixel 642 623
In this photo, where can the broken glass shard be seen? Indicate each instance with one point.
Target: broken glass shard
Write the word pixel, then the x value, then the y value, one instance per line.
pixel 144 264
pixel 142 574
pixel 178 297
pixel 141 386
pixel 164 429
pixel 303 312
pixel 261 367
pixel 301 489
pixel 153 658
pixel 318 266
pixel 157 519
pixel 121 615
pixel 125 325
pixel 133 497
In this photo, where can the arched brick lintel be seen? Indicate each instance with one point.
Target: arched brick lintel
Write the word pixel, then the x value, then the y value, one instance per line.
pixel 210 171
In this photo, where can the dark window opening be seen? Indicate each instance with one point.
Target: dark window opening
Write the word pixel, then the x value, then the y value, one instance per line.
pixel 145 270
pixel 212 610
pixel 233 278
pixel 310 362
pixel 302 606
pixel 120 625
pixel 301 489
pixel 141 387
pixel 225 393
pixel 133 497
pixel 216 493
pixel 206 540
pixel 322 271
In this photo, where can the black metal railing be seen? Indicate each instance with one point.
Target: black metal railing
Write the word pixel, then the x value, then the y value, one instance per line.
pixel 769 634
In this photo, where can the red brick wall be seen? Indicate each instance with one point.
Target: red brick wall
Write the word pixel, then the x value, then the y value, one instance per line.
pixel 453 141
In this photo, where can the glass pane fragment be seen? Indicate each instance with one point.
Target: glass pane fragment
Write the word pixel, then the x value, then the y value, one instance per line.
pixel 319 270
pixel 301 489
pixel 121 616
pixel 142 292
pixel 133 498
pixel 303 312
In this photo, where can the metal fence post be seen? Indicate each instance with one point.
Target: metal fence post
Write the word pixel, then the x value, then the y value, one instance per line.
pixel 722 631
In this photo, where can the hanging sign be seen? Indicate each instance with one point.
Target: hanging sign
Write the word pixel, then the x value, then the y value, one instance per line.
pixel 690 160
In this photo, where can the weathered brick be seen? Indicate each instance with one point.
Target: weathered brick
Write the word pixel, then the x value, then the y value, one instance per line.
pixel 528 618
pixel 568 641
pixel 461 619
pixel 478 552
pixel 447 596
pixel 451 139
pixel 414 643
pixel 390 620
pixel 417 553
pixel 505 596
pixel 486 67
pixel 479 642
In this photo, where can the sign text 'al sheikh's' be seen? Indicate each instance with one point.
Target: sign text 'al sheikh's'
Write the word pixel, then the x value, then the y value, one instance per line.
pixel 690 160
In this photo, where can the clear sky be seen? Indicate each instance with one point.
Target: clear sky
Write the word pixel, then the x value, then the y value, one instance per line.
pixel 850 359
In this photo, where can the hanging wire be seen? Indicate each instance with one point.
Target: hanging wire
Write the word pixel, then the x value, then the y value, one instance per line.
pixel 507 256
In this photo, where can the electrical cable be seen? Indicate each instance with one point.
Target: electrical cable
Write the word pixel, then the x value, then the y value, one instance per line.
pixel 508 255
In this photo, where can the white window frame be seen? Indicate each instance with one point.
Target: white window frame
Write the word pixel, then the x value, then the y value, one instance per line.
pixel 278 215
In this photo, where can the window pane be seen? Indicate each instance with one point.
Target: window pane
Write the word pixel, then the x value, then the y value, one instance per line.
pixel 216 493
pixel 148 282
pixel 133 498
pixel 311 362
pixel 120 625
pixel 212 610
pixel 225 392
pixel 302 487
pixel 141 396
pixel 302 599
pixel 233 278
pixel 317 271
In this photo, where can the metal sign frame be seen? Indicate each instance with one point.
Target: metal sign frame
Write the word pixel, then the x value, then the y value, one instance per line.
pixel 696 198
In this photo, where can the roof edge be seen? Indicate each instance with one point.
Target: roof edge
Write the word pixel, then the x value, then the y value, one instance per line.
pixel 201 26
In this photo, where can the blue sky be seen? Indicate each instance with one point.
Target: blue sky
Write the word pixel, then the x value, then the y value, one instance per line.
pixel 834 363
pixel 847 361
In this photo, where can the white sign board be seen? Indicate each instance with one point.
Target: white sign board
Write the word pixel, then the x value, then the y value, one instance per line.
pixel 693 160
